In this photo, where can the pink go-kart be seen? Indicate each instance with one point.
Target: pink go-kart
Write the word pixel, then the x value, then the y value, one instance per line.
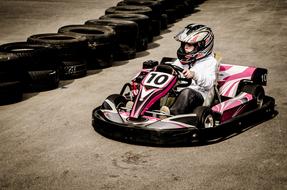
pixel 134 114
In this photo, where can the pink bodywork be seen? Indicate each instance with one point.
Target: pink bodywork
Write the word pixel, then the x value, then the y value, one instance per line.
pixel 229 79
pixel 147 97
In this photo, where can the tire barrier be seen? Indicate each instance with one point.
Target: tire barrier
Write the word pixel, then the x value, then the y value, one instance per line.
pixel 100 42
pixel 126 35
pixel 70 50
pixel 45 59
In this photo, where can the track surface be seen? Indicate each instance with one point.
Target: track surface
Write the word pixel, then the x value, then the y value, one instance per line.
pixel 47 140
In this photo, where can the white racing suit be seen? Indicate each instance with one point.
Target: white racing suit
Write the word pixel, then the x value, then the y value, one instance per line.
pixel 201 90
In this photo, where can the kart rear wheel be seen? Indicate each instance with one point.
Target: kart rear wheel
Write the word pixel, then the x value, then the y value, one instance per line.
pixel 114 101
pixel 205 117
pixel 257 92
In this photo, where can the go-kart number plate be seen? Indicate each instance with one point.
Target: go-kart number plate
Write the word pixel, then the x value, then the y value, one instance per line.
pixel 157 79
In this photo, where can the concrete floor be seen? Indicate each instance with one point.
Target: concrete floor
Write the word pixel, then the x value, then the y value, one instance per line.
pixel 47 140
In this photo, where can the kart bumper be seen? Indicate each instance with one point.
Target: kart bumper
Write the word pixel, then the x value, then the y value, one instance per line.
pixel 142 135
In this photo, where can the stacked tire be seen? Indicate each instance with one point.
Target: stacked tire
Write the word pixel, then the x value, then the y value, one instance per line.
pixel 133 9
pixel 70 51
pixel 143 23
pixel 11 78
pixel 100 41
pixel 38 62
pixel 155 14
pixel 126 33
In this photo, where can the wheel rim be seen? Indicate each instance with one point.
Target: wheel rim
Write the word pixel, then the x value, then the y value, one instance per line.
pixel 208 121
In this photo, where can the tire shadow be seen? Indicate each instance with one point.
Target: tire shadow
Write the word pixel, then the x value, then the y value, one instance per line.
pixel 64 83
pixel 120 63
pixel 152 45
pixel 28 95
pixel 142 54
pixel 93 71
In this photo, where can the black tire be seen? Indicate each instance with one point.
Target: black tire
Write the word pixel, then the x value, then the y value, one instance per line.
pixel 171 15
pixel 180 11
pixel 126 35
pixel 67 43
pixel 156 27
pixel 73 69
pixel 184 7
pixel 12 76
pixel 156 6
pixel 11 63
pixel 257 92
pixel 130 9
pixel 116 99
pixel 164 4
pixel 11 92
pixel 190 6
pixel 164 21
pixel 205 117
pixel 133 9
pixel 155 15
pixel 35 57
pixel 143 23
pixel 70 49
pixel 100 41
pixel 44 80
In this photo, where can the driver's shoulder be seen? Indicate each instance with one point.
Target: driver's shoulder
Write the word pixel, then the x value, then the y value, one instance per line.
pixel 209 61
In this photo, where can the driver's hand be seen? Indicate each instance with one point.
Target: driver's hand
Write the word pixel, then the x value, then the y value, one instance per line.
pixel 188 73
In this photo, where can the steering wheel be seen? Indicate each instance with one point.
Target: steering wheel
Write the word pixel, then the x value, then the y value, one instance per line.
pixel 184 82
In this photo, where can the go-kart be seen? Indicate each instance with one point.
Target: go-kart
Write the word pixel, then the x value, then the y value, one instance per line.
pixel 134 114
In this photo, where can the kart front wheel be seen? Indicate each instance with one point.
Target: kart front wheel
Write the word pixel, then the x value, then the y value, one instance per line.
pixel 127 91
pixel 114 101
pixel 205 118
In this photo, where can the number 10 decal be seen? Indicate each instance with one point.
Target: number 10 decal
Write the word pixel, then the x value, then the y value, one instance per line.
pixel 157 80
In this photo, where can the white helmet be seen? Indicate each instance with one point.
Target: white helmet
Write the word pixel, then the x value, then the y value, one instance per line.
pixel 201 37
